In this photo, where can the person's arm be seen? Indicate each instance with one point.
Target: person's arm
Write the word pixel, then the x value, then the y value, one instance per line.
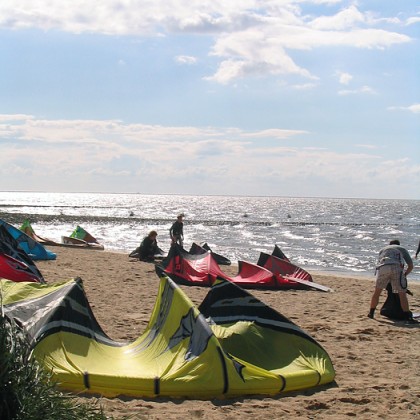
pixel 409 269
pixel 142 249
pixel 154 247
pixel 408 260
pixel 418 250
pixel 171 232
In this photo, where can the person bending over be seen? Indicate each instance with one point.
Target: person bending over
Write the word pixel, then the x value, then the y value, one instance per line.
pixel 390 270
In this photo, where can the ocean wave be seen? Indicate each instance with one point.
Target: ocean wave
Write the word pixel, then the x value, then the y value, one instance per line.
pixel 332 234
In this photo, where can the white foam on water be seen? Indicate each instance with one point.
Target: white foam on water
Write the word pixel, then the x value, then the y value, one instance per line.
pixel 315 233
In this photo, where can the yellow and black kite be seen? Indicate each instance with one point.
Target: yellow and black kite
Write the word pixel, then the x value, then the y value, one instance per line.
pixel 232 345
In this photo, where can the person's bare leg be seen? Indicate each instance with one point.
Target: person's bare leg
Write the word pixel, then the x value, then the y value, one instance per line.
pixel 375 298
pixel 404 301
pixel 374 302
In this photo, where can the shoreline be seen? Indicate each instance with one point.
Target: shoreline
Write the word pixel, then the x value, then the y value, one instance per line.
pixel 365 275
pixel 376 361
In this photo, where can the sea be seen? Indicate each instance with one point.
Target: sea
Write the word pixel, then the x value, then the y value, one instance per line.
pixel 330 235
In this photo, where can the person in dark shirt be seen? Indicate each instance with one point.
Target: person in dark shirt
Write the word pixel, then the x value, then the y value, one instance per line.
pixel 148 247
pixel 176 232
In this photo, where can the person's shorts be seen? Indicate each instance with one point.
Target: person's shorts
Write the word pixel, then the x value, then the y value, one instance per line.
pixel 393 274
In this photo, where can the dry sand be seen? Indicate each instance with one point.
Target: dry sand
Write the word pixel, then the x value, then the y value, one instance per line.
pixel 377 362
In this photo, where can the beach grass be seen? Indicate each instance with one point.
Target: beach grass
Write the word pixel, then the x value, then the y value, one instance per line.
pixel 26 390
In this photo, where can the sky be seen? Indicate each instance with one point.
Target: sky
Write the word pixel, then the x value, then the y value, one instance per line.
pixel 300 98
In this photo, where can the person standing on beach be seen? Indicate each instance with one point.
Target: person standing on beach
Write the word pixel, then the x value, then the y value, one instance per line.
pixel 390 269
pixel 176 232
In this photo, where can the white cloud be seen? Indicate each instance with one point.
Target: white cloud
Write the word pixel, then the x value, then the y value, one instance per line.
pixel 274 133
pixel 304 86
pixel 117 135
pixel 362 90
pixel 185 59
pixel 344 78
pixel 94 155
pixel 251 38
pixel 257 55
pixel 347 18
pixel 263 50
pixel 304 38
pixel 413 20
pixel 15 117
pixel 415 108
pixel 328 2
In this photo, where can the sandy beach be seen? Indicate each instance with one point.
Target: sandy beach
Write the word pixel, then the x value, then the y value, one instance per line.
pixel 377 362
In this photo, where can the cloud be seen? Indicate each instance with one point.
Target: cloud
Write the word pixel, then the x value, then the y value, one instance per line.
pixel 362 90
pixel 274 133
pixel 304 86
pixel 14 117
pixel 344 78
pixel 251 38
pixel 413 20
pixel 347 18
pixel 255 54
pixel 103 155
pixel 328 2
pixel 415 108
pixel 263 48
pixel 101 140
pixel 185 59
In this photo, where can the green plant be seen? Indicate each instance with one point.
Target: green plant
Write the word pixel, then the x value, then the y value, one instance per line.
pixel 27 391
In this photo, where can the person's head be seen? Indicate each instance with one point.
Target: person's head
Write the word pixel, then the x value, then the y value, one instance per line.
pixel 395 242
pixel 153 234
pixel 180 216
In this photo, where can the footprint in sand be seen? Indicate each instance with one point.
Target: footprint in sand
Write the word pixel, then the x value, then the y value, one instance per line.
pixel 351 400
pixel 317 405
pixel 368 331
